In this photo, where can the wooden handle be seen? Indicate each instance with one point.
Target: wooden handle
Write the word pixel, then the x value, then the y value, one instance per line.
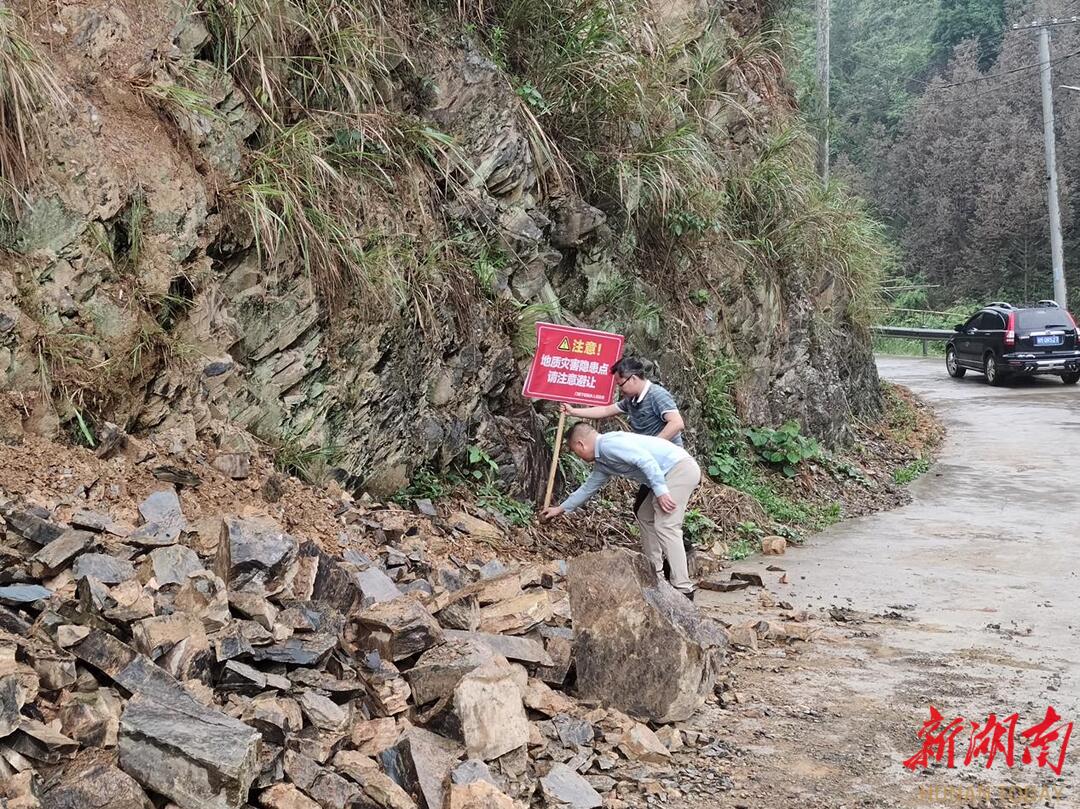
pixel 554 460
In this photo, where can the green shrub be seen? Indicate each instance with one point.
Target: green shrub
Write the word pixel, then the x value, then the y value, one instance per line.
pixel 785 448
pixel 698 529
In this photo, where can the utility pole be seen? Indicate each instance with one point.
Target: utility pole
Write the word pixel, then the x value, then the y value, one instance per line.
pixel 1057 253
pixel 1056 250
pixel 823 25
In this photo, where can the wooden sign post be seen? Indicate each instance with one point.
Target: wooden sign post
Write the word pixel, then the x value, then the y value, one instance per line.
pixel 555 460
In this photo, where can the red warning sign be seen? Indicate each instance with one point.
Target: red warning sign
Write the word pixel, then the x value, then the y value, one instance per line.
pixel 573 365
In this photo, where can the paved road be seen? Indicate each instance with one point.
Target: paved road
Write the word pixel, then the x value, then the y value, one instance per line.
pixel 984 567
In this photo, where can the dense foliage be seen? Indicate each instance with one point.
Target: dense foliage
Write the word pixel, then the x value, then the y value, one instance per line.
pixel 937 118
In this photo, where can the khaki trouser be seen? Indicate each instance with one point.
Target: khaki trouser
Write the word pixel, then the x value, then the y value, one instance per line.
pixel 661 533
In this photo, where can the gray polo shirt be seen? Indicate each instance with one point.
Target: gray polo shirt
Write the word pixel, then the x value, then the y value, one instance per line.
pixel 646 411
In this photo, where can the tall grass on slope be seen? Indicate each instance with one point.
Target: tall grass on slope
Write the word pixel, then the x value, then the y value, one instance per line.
pixel 28 85
pixel 295 56
pixel 311 188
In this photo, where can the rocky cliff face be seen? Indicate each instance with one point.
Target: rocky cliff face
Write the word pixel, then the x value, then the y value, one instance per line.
pixel 138 284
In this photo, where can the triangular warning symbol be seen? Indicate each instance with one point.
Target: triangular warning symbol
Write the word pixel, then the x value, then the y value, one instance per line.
pixel 564 345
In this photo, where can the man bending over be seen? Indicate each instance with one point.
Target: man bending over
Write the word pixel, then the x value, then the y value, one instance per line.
pixel 668 471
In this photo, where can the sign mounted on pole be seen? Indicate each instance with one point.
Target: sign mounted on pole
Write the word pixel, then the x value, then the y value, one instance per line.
pixel 573 365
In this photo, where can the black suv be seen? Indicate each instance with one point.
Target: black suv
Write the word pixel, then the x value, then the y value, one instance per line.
pixel 1003 340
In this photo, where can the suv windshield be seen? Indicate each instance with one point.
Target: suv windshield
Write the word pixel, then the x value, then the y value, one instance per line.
pixel 1036 319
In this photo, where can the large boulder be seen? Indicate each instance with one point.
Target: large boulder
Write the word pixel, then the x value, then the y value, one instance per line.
pixel 639 644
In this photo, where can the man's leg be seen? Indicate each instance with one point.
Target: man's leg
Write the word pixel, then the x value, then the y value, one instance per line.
pixel 681 481
pixel 643 494
pixel 650 543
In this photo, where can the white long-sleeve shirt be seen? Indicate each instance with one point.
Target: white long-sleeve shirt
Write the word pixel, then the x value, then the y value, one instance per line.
pixel 644 458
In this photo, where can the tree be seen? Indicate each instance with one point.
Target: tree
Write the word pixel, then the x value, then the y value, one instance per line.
pixel 980 21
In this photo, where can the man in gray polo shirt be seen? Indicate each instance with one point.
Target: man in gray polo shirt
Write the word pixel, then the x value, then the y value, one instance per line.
pixel 670 475
pixel 650 408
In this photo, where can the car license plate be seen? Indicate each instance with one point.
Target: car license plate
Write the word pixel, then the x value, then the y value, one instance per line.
pixel 1048 340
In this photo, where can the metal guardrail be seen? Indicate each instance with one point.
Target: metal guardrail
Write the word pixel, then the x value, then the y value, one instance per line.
pixel 924 335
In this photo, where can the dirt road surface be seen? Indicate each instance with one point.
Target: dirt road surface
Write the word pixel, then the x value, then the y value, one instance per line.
pixel 968 599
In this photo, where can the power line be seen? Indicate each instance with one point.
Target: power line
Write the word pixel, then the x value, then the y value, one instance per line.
pixel 1014 83
pixel 1021 68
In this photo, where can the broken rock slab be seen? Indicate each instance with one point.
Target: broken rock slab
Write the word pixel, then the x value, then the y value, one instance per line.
pixel 106 569
pixel 640 646
pixel 304 648
pixel 204 595
pixel 323 712
pixel 155 636
pixel 420 763
pixel 488 705
pixel 92 718
pixel 12 699
pixel 378 788
pixel 174 564
pixel 397 629
pixel 480 795
pixel 24 593
pixel 41 742
pixel 539 697
pixel 20 790
pixel 562 787
pixel 641 744
pixel 388 690
pixel 100 787
pixel 163 509
pixel 512 647
pixel 285 796
pixel 518 615
pixel 331 791
pixel 376 587
pixel 439 669
pixel 197 757
pixel 322 579
pixel 370 737
pixel 256 555
pixel 54 556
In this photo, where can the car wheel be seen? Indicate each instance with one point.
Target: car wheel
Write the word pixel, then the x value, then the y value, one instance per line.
pixel 994 374
pixel 1070 379
pixel 953 367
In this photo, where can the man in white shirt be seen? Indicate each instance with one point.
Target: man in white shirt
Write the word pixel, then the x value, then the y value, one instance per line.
pixel 668 471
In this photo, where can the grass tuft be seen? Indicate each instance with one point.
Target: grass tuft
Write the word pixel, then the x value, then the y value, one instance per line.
pixel 28 87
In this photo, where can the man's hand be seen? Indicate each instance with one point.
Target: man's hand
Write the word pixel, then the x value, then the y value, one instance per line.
pixel 549 514
pixel 667 503
pixel 567 410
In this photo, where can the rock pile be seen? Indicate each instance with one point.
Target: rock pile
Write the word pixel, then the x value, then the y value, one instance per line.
pixel 219 664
